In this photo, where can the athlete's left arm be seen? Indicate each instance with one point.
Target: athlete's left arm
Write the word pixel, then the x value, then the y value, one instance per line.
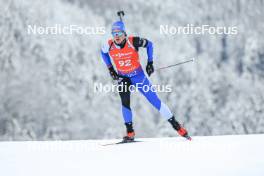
pixel 142 42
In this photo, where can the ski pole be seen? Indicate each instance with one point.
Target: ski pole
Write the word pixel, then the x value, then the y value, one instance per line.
pixel 120 14
pixel 180 63
pixel 161 68
pixel 184 62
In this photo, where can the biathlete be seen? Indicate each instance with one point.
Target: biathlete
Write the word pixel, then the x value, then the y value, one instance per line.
pixel 123 50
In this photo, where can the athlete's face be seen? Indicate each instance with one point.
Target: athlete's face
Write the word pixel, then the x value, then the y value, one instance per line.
pixel 118 36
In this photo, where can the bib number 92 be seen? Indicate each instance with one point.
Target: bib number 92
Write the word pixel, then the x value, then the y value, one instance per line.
pixel 125 63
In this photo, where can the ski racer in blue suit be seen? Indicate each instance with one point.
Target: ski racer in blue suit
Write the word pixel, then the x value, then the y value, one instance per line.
pixel 123 51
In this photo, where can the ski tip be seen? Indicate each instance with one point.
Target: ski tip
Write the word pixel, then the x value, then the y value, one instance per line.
pixel 188 138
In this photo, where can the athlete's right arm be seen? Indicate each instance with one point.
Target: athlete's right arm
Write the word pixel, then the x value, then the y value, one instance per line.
pixel 105 55
pixel 107 61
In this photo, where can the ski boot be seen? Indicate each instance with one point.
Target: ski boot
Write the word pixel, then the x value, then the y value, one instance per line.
pixel 130 133
pixel 181 131
pixel 129 137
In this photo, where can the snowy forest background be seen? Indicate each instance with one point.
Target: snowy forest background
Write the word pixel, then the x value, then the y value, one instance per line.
pixel 46 81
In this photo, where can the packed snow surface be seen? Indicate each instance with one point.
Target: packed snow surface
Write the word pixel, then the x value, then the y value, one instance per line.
pixel 209 155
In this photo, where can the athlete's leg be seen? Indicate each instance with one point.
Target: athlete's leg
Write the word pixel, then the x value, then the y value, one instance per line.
pixel 145 87
pixel 125 99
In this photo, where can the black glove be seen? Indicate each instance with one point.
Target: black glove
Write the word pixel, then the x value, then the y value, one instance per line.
pixel 113 73
pixel 150 68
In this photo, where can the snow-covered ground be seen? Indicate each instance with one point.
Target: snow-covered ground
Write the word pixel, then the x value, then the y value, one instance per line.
pixel 47 81
pixel 212 155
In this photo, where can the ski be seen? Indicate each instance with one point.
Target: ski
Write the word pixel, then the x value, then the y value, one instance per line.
pixel 188 137
pixel 121 142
